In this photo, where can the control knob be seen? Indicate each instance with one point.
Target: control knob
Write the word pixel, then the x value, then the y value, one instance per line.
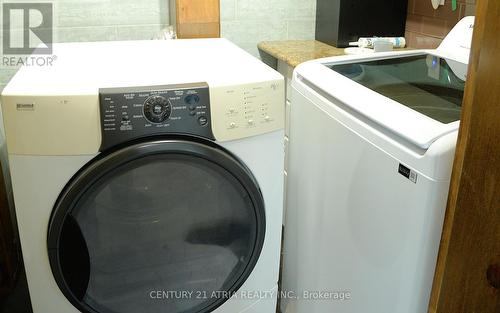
pixel 157 109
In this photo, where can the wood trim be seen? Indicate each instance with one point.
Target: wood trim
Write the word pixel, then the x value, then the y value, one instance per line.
pixel 197 18
pixel 468 267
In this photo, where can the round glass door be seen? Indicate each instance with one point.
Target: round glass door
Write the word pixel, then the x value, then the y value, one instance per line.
pixel 160 226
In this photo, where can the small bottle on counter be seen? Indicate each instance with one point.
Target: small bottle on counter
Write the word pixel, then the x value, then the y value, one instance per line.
pixel 365 42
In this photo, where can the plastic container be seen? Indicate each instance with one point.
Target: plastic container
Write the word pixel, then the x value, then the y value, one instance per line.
pixel 365 42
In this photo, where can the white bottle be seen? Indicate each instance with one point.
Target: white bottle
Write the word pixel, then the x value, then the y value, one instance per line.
pixel 365 42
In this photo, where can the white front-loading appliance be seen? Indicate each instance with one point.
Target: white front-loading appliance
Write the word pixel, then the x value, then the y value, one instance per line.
pixel 147 177
pixel 372 142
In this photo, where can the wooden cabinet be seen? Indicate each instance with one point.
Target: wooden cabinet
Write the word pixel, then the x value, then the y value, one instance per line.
pixel 195 18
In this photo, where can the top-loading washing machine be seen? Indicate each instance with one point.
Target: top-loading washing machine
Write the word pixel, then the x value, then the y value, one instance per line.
pixel 372 142
pixel 147 177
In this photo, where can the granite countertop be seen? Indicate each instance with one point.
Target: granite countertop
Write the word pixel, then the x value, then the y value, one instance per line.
pixel 294 52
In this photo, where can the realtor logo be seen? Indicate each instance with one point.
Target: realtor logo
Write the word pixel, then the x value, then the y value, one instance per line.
pixel 27 28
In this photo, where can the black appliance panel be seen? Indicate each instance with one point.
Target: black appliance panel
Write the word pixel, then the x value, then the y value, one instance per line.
pixel 136 112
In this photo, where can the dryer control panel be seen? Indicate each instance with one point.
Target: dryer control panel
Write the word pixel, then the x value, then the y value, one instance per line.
pixel 248 109
pixel 135 112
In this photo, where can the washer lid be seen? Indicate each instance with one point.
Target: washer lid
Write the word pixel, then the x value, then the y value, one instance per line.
pixel 415 95
pixel 458 42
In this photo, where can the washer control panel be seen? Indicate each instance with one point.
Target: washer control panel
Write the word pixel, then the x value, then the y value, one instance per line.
pixel 130 113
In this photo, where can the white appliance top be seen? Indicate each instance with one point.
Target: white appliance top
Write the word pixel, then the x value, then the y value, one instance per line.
pixel 416 94
pixel 97 94
pixel 83 68
pixel 457 43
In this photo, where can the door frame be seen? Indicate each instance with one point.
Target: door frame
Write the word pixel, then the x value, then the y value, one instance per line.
pixel 467 277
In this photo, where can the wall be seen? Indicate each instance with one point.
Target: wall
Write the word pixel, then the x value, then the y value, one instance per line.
pixel 248 22
pixel 97 20
pixel 426 27
pixel 245 22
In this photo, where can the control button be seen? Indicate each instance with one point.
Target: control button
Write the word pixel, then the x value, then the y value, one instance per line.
pixel 232 125
pixel 267 118
pixel 192 99
pixel 157 109
pixel 192 107
pixel 203 120
pixel 232 110
pixel 250 122
pixel 192 113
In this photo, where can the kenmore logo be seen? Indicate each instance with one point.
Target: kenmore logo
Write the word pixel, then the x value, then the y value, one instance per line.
pixel 25 106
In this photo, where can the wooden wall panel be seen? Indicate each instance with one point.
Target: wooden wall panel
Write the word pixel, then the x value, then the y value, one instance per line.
pixel 467 277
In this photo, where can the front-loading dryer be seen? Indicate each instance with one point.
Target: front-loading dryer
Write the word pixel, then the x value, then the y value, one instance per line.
pixel 153 186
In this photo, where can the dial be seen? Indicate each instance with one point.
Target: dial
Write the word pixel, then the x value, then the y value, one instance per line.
pixel 192 99
pixel 157 109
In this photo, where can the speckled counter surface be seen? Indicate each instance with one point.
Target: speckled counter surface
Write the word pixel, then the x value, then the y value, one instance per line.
pixel 294 52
